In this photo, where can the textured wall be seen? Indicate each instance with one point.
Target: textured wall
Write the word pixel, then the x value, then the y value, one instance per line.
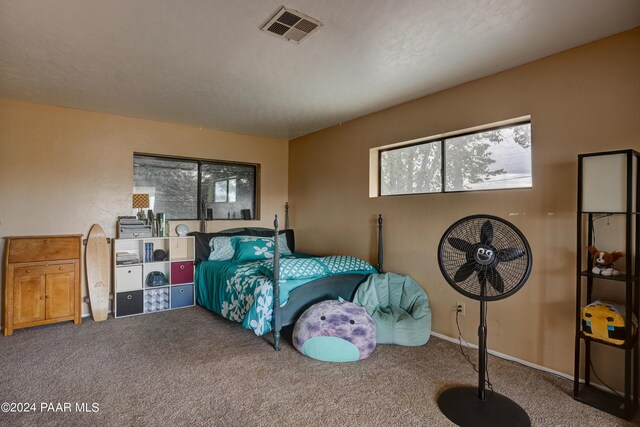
pixel 582 100
pixel 62 170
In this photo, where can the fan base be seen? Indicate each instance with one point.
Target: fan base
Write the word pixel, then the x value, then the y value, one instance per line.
pixel 463 407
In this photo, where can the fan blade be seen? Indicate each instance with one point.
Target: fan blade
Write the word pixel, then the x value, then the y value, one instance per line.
pixel 459 244
pixel 464 271
pixel 509 254
pixel 486 233
pixel 482 277
pixel 495 280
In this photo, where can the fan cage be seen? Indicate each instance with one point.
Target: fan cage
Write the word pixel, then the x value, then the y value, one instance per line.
pixel 514 273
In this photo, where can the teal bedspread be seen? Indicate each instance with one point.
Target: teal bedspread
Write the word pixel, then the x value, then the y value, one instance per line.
pixel 243 291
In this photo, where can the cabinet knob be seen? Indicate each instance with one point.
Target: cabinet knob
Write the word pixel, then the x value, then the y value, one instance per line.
pixel 182 291
pixel 28 271
pixel 60 268
pixel 42 297
pixel 48 296
pixel 129 296
pixel 46 241
pixel 182 267
pixel 129 271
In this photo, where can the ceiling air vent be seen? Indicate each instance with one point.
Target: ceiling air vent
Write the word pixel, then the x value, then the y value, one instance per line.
pixel 291 25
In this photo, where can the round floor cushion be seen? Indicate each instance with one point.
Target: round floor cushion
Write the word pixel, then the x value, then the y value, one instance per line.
pixel 335 331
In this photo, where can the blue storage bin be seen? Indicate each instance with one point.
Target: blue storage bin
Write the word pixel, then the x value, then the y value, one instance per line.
pixel 181 296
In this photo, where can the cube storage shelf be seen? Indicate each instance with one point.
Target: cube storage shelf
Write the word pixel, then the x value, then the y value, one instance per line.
pixel 617 195
pixel 133 295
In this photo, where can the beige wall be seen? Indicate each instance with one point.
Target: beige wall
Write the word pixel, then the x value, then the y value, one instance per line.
pixel 62 170
pixel 583 100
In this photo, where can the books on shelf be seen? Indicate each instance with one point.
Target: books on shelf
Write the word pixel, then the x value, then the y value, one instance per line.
pixel 123 258
pixel 148 252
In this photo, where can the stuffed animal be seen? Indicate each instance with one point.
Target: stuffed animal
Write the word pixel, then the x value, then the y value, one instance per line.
pixel 605 321
pixel 335 331
pixel 604 261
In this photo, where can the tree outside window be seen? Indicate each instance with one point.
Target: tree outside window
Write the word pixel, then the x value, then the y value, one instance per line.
pixel 497 158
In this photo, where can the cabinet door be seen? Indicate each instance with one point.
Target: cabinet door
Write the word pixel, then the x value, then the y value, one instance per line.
pixel 28 299
pixel 60 294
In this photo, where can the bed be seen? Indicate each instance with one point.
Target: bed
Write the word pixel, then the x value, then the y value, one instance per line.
pixel 267 294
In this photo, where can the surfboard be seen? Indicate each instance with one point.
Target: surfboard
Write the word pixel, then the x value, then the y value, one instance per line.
pixel 97 266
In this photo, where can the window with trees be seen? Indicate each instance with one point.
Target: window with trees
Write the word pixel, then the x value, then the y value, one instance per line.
pixel 495 158
pixel 196 189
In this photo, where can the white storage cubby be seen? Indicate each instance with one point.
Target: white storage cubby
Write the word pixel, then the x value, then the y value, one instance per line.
pixel 133 296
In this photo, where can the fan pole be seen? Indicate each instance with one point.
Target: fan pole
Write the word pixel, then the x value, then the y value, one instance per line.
pixel 482 353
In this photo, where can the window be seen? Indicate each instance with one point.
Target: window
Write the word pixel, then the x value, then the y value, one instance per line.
pixel 496 158
pixel 413 169
pixel 221 192
pixel 196 189
pixel 228 189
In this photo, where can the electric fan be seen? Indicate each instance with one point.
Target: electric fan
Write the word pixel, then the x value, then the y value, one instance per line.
pixel 484 258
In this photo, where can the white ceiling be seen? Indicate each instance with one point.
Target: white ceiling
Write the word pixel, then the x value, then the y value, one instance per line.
pixel 206 63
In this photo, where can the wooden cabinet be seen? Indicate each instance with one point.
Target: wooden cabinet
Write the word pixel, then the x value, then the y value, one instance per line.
pixel 42 281
pixel 134 263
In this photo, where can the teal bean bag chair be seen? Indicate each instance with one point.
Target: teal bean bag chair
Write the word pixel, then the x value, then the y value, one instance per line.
pixel 399 307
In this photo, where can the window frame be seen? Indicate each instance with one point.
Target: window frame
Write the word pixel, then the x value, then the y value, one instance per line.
pixel 227 190
pixel 443 158
pixel 200 162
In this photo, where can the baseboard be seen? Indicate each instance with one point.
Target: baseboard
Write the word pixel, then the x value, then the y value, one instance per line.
pixel 522 362
pixel 89 314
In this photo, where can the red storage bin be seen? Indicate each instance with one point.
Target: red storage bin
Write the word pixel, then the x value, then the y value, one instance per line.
pixel 181 272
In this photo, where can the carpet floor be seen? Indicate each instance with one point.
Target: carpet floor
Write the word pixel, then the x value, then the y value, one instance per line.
pixel 190 367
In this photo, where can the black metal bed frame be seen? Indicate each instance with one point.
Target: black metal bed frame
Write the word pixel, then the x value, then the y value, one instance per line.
pixel 333 287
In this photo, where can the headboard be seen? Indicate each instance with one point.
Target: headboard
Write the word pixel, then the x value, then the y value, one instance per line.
pixel 202 239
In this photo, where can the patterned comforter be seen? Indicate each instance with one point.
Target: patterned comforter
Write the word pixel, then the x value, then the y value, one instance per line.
pixel 243 291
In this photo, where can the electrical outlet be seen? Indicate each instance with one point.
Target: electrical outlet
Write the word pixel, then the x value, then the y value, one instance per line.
pixel 460 308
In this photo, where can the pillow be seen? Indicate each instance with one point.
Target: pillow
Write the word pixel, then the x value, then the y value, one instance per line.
pixel 266 232
pixel 221 248
pixel 203 241
pixel 335 331
pixel 252 248
pixel 283 247
pixel 296 268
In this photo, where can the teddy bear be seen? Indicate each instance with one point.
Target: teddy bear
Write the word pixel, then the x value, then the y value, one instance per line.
pixel 604 261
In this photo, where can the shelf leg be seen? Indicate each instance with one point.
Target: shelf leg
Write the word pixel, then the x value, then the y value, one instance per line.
pixel 576 369
pixel 576 362
pixel 587 362
pixel 627 376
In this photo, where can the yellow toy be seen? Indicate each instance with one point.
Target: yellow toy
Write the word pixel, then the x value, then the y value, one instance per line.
pixel 605 321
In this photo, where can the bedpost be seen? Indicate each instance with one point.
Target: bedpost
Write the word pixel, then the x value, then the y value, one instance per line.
pixel 380 250
pixel 203 217
pixel 277 320
pixel 286 215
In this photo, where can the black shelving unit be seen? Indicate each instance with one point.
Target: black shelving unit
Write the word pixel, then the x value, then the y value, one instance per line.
pixel 629 208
